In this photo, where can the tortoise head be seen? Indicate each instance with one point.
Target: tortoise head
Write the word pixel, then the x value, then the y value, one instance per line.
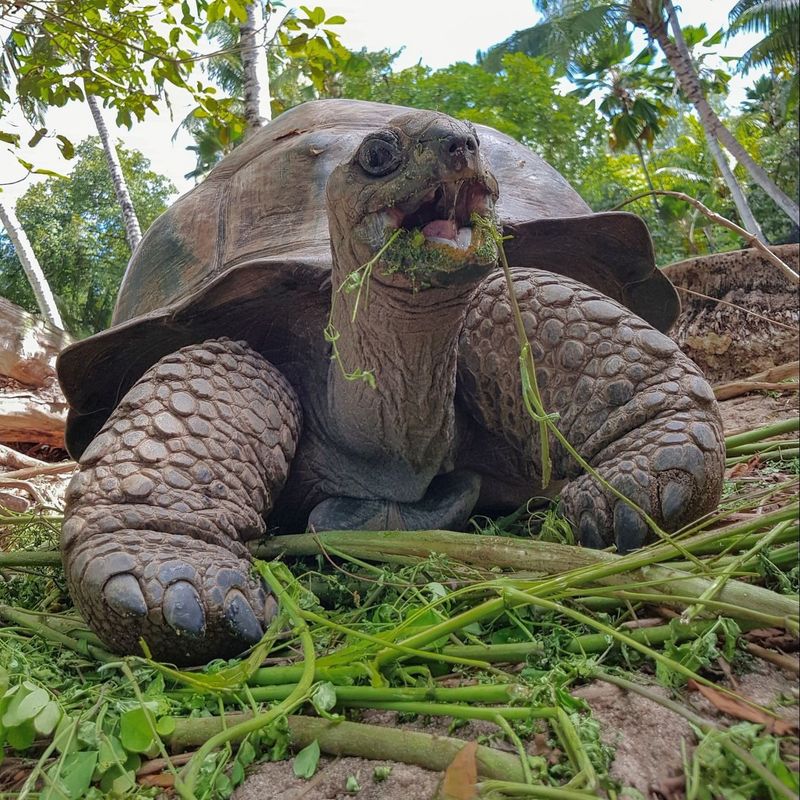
pixel 412 192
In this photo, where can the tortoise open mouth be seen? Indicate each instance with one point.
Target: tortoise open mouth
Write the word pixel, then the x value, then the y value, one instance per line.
pixel 443 214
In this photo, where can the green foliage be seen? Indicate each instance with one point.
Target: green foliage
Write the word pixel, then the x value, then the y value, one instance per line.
pixel 712 772
pixel 76 230
pixel 127 55
pixel 779 49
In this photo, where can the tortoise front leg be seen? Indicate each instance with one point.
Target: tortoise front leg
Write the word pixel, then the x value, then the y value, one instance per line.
pixel 629 401
pixel 167 494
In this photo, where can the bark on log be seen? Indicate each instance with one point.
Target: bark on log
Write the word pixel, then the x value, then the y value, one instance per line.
pixel 28 345
pixel 29 417
pixel 748 320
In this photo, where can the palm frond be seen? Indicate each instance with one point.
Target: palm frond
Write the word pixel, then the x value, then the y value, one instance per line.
pixel 569 27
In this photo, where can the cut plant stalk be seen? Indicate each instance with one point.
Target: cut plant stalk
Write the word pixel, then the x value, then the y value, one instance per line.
pixel 342 738
pixel 572 566
pixel 737 564
pixel 765 432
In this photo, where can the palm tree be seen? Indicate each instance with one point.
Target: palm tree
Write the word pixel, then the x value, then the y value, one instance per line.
pixel 575 26
pixel 33 270
pixel 780 48
pixel 133 231
pixel 629 96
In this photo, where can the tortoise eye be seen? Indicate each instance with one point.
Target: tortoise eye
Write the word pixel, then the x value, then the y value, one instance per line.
pixel 380 153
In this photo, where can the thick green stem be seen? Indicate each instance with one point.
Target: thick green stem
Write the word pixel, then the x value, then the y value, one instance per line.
pixel 30 558
pixel 482 693
pixel 572 566
pixel 356 739
pixel 761 447
pixel 775 429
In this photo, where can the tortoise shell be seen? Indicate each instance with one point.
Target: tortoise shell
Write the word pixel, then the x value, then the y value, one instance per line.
pixel 246 254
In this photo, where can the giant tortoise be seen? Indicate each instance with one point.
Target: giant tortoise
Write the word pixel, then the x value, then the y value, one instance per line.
pixel 272 362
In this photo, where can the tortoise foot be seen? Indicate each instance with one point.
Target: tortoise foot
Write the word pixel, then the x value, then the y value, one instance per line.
pixel 447 504
pixel 670 468
pixel 189 601
pixel 180 477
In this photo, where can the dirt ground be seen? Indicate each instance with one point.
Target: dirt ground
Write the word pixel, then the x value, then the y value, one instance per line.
pixel 754 410
pixel 646 737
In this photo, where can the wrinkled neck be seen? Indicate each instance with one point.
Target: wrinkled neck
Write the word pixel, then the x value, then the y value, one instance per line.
pixel 408 340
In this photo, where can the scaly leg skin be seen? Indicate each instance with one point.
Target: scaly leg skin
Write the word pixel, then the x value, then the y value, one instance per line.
pixel 629 401
pixel 176 482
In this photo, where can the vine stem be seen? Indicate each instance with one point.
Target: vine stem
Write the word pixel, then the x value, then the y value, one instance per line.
pixel 750 238
pixel 298 696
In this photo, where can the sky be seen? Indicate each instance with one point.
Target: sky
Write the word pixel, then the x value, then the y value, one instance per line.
pixel 434 32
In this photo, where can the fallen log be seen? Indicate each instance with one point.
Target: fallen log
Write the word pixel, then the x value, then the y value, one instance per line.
pixel 28 345
pixel 32 417
pixel 769 379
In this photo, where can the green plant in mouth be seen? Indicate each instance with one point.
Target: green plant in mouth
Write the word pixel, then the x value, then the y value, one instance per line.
pixel 411 254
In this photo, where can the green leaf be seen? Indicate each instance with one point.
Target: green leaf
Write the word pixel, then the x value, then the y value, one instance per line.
pixel 25 705
pixel 111 753
pixel 65 146
pixel 47 719
pixel 22 736
pixel 246 754
pixel 316 16
pixel 49 172
pixel 223 785
pixel 324 697
pixel 134 731
pixel 305 762
pixel 352 785
pixel 165 725
pixel 335 20
pixel 74 776
pixel 65 740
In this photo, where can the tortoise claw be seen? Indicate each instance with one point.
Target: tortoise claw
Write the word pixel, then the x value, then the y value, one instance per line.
pixel 124 595
pixel 242 618
pixel 183 610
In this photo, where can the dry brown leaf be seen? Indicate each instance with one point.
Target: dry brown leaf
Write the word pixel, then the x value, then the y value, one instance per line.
pixel 461 777
pixel 744 468
pixel 163 780
pixel 736 708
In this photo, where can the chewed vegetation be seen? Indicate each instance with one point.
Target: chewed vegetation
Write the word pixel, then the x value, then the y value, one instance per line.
pixel 500 625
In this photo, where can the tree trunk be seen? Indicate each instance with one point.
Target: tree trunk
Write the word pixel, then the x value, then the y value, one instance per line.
pixel 749 222
pixel 133 233
pixel 36 278
pixel 646 172
pixel 679 59
pixel 254 66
